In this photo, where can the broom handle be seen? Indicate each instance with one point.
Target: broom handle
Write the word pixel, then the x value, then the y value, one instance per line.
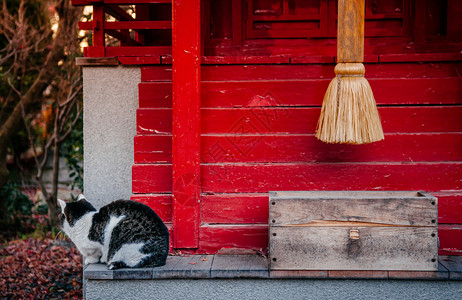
pixel 350 32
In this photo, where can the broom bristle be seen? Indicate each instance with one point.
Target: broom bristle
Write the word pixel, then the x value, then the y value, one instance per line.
pixel 349 113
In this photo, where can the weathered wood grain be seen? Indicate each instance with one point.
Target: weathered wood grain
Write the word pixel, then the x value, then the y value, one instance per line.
pixel 366 208
pixel 96 61
pixel 330 248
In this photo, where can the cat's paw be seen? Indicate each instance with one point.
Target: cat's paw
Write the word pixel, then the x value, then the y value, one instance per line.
pixel 116 265
pixel 91 260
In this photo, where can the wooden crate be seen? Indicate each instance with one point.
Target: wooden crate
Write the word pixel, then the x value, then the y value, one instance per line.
pixel 353 230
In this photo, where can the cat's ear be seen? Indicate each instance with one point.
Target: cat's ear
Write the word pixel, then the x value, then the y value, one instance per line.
pixel 62 204
pixel 81 197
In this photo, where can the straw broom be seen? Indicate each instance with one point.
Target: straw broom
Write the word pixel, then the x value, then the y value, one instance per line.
pixel 349 113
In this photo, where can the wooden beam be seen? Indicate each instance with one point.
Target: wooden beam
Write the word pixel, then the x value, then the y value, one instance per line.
pixel 99 43
pixel 186 122
pixel 96 61
pixel 140 25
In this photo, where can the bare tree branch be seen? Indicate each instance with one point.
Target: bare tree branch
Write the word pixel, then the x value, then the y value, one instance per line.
pixel 38 67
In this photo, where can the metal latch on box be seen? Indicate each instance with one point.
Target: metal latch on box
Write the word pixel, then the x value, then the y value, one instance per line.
pixel 354 234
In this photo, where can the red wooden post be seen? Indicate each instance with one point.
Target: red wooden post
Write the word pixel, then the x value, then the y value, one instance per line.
pixel 98 49
pixel 186 122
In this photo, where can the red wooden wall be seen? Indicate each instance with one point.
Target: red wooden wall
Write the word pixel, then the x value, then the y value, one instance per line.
pixel 257 135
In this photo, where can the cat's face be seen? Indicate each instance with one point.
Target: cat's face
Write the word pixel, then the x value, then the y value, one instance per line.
pixel 73 211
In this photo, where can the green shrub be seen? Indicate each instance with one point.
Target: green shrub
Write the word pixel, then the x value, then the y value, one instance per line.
pixel 17 202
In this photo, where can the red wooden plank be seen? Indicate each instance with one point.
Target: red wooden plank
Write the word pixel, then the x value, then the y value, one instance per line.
pixel 141 25
pixel 227 237
pixel 139 60
pixel 420 57
pixel 263 93
pixel 156 73
pixel 421 119
pixel 450 237
pixel 94 51
pixel 137 51
pixel 225 60
pixel 234 208
pixel 311 92
pixel 306 148
pixel 319 71
pixel 312 59
pixel 153 149
pixel 186 41
pixel 298 120
pixel 261 178
pixel 155 95
pixel 146 179
pixel 161 204
pixel 154 121
pixel 449 207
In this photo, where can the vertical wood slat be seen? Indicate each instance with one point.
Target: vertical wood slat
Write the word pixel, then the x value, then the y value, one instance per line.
pixel 99 44
pixel 142 13
pixel 419 21
pixel 186 122
pixel 237 22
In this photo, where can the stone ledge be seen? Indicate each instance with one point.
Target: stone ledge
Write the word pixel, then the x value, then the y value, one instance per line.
pixel 252 266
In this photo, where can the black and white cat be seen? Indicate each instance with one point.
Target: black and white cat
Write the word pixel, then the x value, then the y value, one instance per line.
pixel 122 234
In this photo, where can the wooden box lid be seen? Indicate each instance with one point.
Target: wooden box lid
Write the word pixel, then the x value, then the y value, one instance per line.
pixel 347 208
